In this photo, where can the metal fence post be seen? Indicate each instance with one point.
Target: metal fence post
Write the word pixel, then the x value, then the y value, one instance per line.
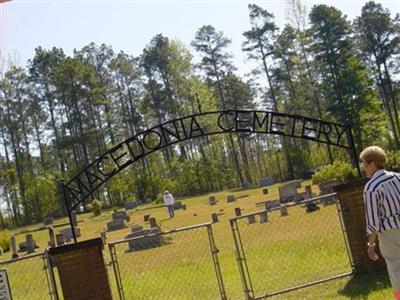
pixel 51 282
pixel 117 273
pixel 214 254
pixel 344 231
pixel 241 261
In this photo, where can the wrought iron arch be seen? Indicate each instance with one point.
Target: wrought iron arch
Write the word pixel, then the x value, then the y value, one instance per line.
pixel 88 180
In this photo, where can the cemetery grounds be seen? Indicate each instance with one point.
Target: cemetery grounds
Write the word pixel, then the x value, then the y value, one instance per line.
pixel 278 252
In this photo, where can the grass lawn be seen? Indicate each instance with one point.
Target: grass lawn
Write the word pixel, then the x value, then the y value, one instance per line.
pixel 285 252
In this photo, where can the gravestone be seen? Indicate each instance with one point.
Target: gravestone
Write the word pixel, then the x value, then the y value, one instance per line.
pixel 308 191
pixel 230 198
pixel 251 219
pixel 146 218
pixel 263 217
pixel 238 212
pixel 214 218
pixel 115 225
pixel 119 215
pixel 67 233
pixel 135 228
pixel 30 244
pixel 211 200
pixel 283 210
pixel 153 223
pixel 130 205
pixel 288 192
pixel 60 239
pixel 327 187
pixel 246 185
pixel 52 238
pixel 265 191
pixel 266 182
pixel 13 246
pixel 48 221
pixel 311 207
pixel 273 204
pixel 177 205
pixel 144 239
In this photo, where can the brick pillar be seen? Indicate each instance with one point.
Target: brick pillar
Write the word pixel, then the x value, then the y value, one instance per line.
pixel 353 211
pixel 82 271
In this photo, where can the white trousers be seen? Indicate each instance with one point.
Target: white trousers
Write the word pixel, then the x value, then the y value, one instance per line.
pixel 389 244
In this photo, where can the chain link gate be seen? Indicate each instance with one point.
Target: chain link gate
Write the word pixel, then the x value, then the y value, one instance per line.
pixel 30 277
pixel 277 253
pixel 145 267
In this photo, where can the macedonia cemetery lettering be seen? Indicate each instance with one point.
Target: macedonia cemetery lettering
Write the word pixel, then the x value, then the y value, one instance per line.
pixel 205 124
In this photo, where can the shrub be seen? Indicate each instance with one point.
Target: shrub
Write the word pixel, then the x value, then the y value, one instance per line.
pixel 95 207
pixel 5 240
pixel 341 171
pixel 393 160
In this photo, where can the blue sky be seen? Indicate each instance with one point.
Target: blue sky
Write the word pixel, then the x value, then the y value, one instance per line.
pixel 129 25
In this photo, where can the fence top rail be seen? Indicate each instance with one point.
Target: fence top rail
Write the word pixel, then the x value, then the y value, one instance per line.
pixel 161 233
pixel 12 260
pixel 311 200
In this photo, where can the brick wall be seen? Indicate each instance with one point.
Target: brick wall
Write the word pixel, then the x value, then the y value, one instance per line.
pixel 82 271
pixel 353 212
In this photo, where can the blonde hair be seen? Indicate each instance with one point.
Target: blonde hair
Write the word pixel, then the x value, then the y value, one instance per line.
pixel 374 154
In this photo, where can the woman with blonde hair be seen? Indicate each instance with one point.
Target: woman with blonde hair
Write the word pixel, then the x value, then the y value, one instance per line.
pixel 382 210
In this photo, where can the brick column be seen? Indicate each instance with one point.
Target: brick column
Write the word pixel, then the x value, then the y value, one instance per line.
pixel 353 212
pixel 82 271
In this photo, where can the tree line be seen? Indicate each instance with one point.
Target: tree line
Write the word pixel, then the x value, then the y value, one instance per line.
pixel 60 112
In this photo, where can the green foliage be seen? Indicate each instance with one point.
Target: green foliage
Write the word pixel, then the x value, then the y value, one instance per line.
pixel 95 207
pixel 393 160
pixel 344 172
pixel 41 190
pixel 5 240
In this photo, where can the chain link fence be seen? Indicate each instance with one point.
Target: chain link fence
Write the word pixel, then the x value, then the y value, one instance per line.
pixel 277 254
pixel 29 277
pixel 178 264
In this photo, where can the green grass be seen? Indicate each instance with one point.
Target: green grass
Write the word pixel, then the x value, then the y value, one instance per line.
pixel 285 252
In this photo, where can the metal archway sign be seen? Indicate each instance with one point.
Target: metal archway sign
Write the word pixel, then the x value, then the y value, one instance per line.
pixel 88 180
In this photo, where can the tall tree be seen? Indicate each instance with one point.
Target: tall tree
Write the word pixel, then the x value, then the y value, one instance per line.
pixel 259 46
pixel 216 63
pixel 379 39
pixel 345 82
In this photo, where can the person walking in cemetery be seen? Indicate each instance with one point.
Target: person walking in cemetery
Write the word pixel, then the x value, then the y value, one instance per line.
pixel 382 205
pixel 169 201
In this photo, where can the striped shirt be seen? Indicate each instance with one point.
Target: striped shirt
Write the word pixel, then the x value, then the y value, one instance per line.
pixel 382 201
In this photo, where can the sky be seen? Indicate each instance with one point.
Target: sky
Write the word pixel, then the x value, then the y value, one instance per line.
pixel 129 25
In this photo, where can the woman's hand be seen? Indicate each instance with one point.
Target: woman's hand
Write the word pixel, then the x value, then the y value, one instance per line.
pixel 372 254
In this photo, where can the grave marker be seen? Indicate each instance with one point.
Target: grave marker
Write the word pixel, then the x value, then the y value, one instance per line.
pixel 251 219
pixel 238 212
pixel 60 239
pixel 263 217
pixel 214 218
pixel 230 198
pixel 13 246
pixel 211 200
pixel 283 210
